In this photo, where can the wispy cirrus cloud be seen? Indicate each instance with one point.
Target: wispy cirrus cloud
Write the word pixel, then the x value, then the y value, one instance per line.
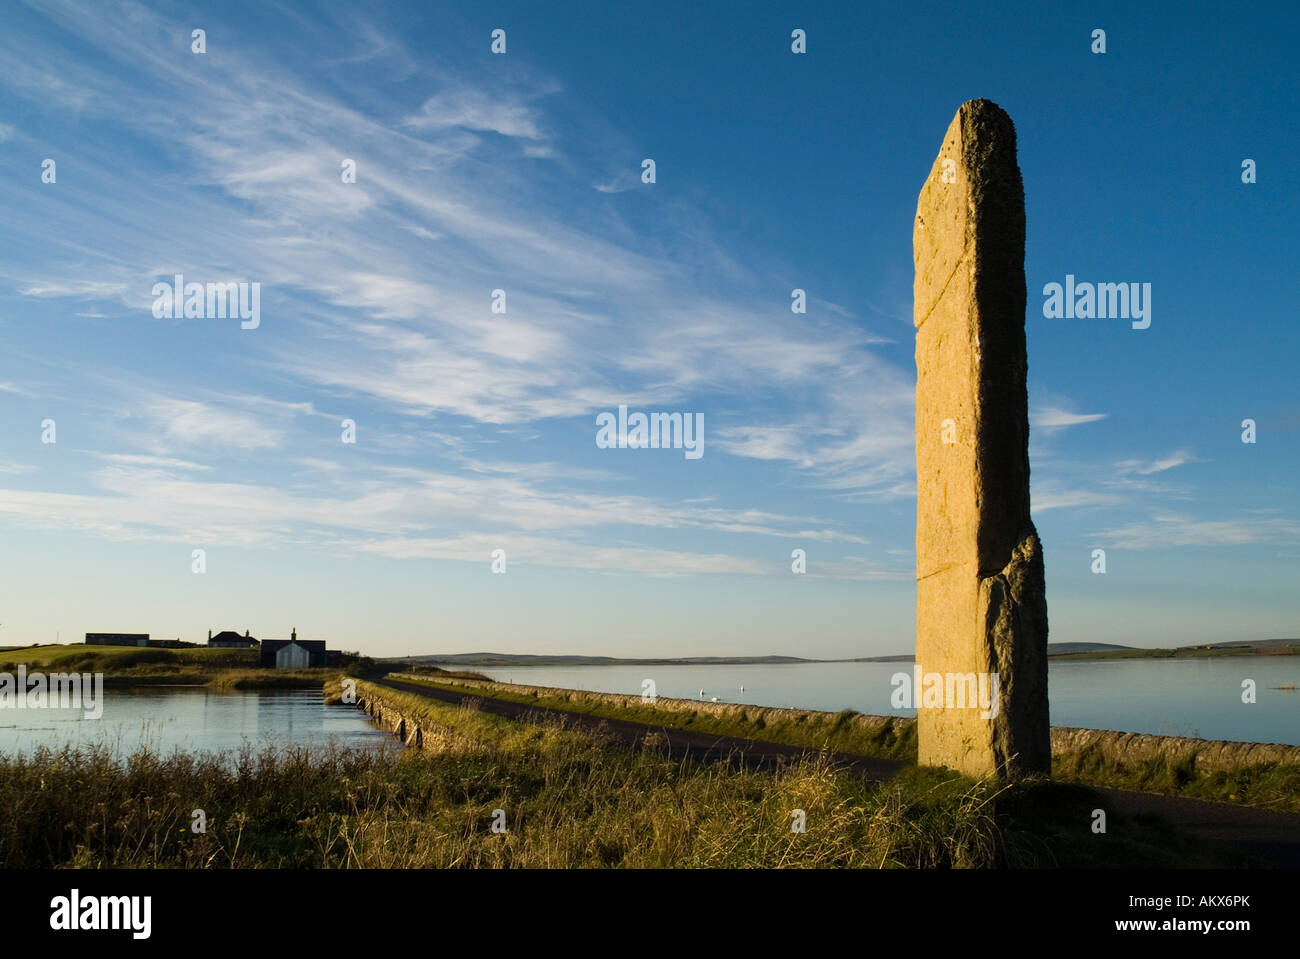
pixel 1159 465
pixel 474 109
pixel 1047 497
pixel 162 462
pixel 1170 531
pixel 392 511
pixel 189 422
pixel 80 289
pixel 1057 418
pixel 377 304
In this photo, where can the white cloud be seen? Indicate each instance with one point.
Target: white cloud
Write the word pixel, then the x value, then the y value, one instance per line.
pixel 84 289
pixel 391 510
pixel 162 462
pixel 1043 500
pixel 1055 418
pixel 190 422
pixel 620 182
pixel 526 550
pixel 391 278
pixel 1169 531
pixel 1147 468
pixel 476 110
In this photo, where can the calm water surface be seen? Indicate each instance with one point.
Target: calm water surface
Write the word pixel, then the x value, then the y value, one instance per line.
pixel 1184 697
pixel 177 717
pixel 1170 697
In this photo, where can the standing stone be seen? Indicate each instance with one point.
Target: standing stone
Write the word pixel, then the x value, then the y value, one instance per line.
pixel 981 605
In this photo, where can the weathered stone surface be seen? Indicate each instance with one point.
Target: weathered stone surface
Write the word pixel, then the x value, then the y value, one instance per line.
pixel 1207 756
pixel 981 605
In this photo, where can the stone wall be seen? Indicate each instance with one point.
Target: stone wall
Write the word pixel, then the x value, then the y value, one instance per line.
pixel 409 729
pixel 769 715
pixel 1210 755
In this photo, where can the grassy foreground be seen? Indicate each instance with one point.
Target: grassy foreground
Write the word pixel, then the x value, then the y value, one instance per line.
pixel 1270 785
pixel 569 798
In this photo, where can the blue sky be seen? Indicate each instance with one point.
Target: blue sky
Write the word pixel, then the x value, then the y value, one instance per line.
pixel 476 431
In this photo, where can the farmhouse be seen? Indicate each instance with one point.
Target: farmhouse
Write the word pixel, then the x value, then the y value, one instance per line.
pixel 229 639
pixel 293 653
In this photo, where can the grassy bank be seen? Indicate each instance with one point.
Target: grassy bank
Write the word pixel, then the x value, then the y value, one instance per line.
pixel 84 658
pixel 124 666
pixel 847 731
pixel 273 678
pixel 570 799
pixel 1270 785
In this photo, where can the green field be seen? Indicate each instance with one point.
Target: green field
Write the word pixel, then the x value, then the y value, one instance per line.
pixel 150 666
pixel 68 653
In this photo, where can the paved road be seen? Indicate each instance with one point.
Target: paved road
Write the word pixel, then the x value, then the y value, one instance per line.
pixel 1270 836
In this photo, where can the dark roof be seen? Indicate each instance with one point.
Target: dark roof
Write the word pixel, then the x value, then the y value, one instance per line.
pixel 274 644
pixel 229 634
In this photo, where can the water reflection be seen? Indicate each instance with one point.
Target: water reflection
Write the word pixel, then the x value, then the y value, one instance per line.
pixel 167 718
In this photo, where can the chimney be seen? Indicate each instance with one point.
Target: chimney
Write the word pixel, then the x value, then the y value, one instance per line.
pixel 246 634
pixel 209 636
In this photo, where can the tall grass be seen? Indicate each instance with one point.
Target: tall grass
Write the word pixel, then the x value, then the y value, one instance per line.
pixel 570 799
pixel 1270 785
pixel 311 678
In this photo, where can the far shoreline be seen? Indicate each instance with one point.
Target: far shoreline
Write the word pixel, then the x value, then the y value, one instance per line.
pixel 1281 647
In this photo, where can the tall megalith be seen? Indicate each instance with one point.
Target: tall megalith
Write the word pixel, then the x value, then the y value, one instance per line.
pixel 981 607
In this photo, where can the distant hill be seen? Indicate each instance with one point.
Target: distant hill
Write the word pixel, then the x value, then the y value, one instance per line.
pixel 527 659
pixel 1262 643
pixel 524 659
pixel 1061 649
pixel 1075 650
pixel 1053 649
pixel 1242 647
